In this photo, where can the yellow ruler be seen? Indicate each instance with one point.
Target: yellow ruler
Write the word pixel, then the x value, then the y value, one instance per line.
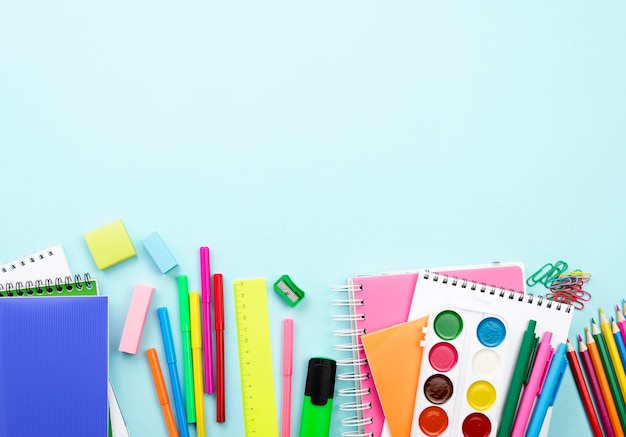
pixel 255 358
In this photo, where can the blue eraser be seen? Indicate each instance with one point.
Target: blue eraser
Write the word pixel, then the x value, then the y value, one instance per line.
pixel 159 252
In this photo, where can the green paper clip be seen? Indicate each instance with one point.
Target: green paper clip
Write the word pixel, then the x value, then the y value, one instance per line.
pixel 289 291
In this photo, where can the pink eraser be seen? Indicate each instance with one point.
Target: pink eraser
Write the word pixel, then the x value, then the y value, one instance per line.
pixel 136 319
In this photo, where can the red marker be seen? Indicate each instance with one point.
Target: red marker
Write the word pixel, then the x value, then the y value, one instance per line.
pixel 218 301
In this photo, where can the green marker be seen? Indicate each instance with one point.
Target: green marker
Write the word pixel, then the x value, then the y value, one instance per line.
pixel 520 377
pixel 185 327
pixel 318 398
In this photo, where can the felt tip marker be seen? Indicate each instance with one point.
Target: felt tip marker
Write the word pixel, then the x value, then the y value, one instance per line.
pixel 196 347
pixel 185 327
pixel 207 340
pixel 170 355
pixel 537 375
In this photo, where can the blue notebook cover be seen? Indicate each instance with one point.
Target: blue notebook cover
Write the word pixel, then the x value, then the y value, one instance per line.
pixel 54 366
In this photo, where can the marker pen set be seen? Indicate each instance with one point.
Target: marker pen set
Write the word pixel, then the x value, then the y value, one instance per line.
pixel 197 356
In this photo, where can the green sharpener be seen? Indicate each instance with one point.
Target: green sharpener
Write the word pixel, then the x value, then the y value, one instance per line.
pixel 289 291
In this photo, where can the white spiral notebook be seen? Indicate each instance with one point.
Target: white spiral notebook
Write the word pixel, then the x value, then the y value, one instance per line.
pixel 470 350
pixel 46 264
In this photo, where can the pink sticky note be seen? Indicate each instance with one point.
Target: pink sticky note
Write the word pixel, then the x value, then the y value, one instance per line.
pixel 136 319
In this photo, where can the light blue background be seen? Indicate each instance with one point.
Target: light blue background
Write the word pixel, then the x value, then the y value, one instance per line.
pixel 319 139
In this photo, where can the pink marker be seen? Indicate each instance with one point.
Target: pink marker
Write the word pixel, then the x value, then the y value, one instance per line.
pixel 205 276
pixel 535 382
pixel 287 373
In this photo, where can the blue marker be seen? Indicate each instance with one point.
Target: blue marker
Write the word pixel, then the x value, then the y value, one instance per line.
pixel 550 389
pixel 170 355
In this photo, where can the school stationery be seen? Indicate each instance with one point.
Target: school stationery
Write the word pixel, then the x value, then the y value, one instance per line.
pixel 621 322
pixel 207 339
pixel 288 290
pixel 185 327
pixel 170 355
pixel 394 354
pixel 614 357
pixel 161 390
pixel 603 353
pixel 69 286
pixel 117 423
pixel 549 391
pixel 619 342
pixel 159 252
pixel 255 357
pixel 456 333
pixel 601 391
pixel 136 319
pixel 583 391
pixel 220 395
pixel 44 264
pixel 493 324
pixel 55 335
pixel 319 389
pixel 285 430
pixel 533 387
pixel 520 372
pixel 381 301
pixel 196 349
pixel 110 245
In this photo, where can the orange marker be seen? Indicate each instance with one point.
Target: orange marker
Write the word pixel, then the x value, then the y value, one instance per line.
pixel 159 385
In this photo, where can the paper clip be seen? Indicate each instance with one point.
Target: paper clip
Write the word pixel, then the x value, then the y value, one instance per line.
pixel 566 299
pixel 546 273
pixel 568 288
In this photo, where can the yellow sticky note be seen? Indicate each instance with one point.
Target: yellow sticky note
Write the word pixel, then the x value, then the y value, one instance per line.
pixel 110 245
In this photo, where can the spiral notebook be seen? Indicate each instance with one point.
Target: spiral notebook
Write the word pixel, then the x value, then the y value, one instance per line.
pixel 473 304
pixel 45 264
pixel 54 366
pixel 380 301
pixel 69 286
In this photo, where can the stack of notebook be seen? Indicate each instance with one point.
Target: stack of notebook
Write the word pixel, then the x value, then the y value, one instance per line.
pixel 388 316
pixel 54 363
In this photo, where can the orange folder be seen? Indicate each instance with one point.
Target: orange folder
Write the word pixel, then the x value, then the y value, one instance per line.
pixel 394 356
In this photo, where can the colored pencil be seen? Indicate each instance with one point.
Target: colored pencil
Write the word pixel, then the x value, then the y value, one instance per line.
pixel 610 372
pixel 619 341
pixel 621 324
pixel 583 391
pixel 614 357
pixel 592 350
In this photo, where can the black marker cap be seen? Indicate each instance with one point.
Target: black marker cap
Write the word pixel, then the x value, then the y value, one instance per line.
pixel 320 380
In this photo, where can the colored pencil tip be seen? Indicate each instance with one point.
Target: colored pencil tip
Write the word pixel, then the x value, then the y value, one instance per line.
pixel 593 322
pixel 617 308
pixel 580 338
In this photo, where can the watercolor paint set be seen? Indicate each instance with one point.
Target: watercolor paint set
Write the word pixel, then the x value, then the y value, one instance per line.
pixel 462 382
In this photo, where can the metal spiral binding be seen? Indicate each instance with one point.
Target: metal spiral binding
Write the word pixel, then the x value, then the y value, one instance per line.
pixel 22 261
pixel 45 286
pixel 528 298
pixel 353 361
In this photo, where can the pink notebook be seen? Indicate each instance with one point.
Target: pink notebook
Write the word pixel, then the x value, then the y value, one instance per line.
pixel 381 301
